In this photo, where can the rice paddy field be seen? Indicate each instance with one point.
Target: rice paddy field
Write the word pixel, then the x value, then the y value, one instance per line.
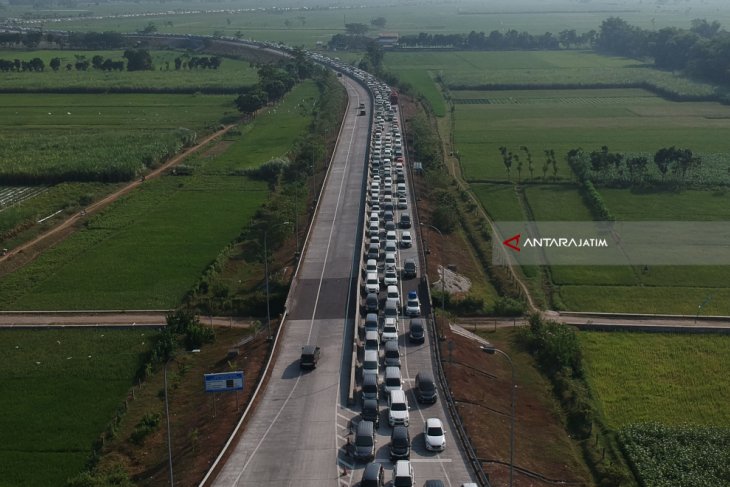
pixel 60 390
pixel 147 249
pixel 231 75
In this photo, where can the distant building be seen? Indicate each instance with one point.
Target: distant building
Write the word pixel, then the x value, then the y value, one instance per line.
pixel 387 39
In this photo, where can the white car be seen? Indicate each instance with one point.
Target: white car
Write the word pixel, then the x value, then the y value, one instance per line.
pixel 405 240
pixel 413 304
pixel 434 435
pixel 390 278
pixel 398 408
pixel 402 203
pixel 372 283
pixel 390 329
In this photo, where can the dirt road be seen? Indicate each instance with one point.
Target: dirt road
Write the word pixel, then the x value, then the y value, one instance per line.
pixel 35 246
pixel 33 319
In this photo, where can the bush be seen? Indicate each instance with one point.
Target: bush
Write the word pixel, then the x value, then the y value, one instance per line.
pixel 146 426
pixel 505 306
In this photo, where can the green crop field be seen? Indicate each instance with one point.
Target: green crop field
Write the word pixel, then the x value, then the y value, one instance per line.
pixel 232 73
pixel 102 137
pixel 625 120
pixel 150 247
pixel 60 389
pixel 668 378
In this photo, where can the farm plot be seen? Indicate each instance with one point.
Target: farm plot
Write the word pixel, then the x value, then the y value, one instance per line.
pixel 149 248
pixel 230 76
pixel 60 389
pixel 627 121
pixel 539 69
pixel 14 195
pixel 53 138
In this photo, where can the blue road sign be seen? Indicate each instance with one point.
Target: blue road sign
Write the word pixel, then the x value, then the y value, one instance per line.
pixel 223 382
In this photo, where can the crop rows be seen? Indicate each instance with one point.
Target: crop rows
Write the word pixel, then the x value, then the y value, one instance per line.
pixel 684 456
pixel 569 100
pixel 12 195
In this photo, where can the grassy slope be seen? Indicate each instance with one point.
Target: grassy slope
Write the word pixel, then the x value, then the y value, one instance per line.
pixel 147 250
pixel 661 377
pixel 60 389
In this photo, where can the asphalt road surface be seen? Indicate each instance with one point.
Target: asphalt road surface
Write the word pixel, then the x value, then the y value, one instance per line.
pixel 293 436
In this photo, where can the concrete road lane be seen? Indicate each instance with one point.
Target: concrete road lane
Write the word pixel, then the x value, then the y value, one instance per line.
pixel 292 437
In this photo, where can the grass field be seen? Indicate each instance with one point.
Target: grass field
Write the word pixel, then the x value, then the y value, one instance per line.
pixel 60 389
pixel 149 248
pixel 102 137
pixel 231 74
pixel 318 24
pixel 625 120
pixel 668 378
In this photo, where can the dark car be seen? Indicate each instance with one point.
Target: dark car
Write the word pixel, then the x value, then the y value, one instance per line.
pixel 425 388
pixel 417 331
pixel 400 444
pixel 309 357
pixel 372 476
pixel 433 483
pixel 410 269
pixel 371 411
pixel 371 303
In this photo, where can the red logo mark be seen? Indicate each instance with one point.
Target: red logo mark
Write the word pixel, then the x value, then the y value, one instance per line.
pixel 513 242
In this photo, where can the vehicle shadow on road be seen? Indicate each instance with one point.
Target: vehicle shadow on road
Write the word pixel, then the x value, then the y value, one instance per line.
pixel 293 371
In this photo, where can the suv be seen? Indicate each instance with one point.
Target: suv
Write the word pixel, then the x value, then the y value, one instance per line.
pixel 413 305
pixel 365 441
pixel 398 408
pixel 371 411
pixel 425 388
pixel 309 357
pixel 390 330
pixel 400 444
pixel 372 476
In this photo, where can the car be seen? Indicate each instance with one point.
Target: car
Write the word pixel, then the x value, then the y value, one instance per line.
pixel 400 444
pixel 372 341
pixel 393 292
pixel 372 475
pixel 390 277
pixel 373 251
pixel 391 236
pixel 410 268
pixel 370 363
pixel 371 322
pixel 405 220
pixel 413 305
pixel 434 435
pixel 425 389
pixel 391 259
pixel 309 357
pixel 370 391
pixel 390 247
pixel 371 265
pixel 403 475
pixel 391 355
pixel 398 408
pixel 434 483
pixel 402 203
pixel 390 330
pixel 405 240
pixel 370 410
pixel 372 283
pixel 371 303
pixel 393 380
pixel 417 331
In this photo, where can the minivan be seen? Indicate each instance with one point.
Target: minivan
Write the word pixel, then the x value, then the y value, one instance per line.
pixel 372 476
pixel 400 189
pixel 393 292
pixel 309 357
pixel 391 308
pixel 391 354
pixel 410 269
pixel 425 388
pixel 400 444
pixel 372 340
pixel 371 265
pixel 398 408
pixel 373 251
pixel 370 388
pixel 393 380
pixel 365 441
pixel 403 474
pixel 370 363
pixel 372 283
pixel 390 330
pixel 371 303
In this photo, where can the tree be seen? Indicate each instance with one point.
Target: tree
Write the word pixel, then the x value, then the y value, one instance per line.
pixel 378 22
pixel 374 54
pixel 138 60
pixel 55 63
pixel 356 29
pixel 516 158
pixel 704 29
pixel 97 61
pixel 150 28
pixel 250 102
pixel 568 38
pixel 530 167
pixel 662 159
pixel 637 168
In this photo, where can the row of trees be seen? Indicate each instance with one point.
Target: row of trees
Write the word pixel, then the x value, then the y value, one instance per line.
pixel 510 159
pixel 496 40
pixel 611 165
pixel 702 51
pixel 197 62
pixel 77 40
pixel 275 80
pixel 35 64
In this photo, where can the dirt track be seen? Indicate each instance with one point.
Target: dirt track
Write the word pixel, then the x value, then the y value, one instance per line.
pixel 33 248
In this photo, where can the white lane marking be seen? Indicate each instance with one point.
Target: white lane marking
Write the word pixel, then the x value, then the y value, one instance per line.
pixel 431 460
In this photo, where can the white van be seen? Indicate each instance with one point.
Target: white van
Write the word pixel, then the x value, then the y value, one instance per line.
pixel 398 408
pixel 372 283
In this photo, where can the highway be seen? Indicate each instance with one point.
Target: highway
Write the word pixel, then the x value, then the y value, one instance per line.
pixel 292 437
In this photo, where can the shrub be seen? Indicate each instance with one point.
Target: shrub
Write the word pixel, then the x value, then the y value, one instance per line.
pixel 505 306
pixel 146 426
